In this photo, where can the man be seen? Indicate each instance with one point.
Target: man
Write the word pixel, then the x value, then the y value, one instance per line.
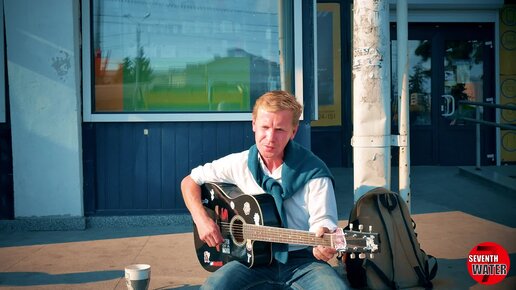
pixel 302 187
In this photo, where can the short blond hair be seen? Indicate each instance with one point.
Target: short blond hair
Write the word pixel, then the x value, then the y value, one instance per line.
pixel 275 101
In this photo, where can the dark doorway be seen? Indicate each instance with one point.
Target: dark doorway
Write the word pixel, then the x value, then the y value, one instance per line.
pixel 448 63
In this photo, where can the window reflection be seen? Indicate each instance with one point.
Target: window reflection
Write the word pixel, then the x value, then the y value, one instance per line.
pixel 187 56
pixel 419 82
pixel 328 65
pixel 463 74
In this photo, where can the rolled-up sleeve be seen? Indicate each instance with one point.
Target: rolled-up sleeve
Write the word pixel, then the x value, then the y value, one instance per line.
pixel 227 169
pixel 321 204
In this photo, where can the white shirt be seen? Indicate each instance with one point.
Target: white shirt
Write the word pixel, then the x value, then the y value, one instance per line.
pixel 311 207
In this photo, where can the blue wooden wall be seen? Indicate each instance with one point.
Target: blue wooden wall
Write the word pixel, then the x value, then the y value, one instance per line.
pixel 128 172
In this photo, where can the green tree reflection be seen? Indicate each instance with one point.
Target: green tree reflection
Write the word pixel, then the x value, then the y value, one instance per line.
pixel 137 74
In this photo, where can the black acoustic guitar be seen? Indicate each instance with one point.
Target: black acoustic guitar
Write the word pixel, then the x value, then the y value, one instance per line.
pixel 250 223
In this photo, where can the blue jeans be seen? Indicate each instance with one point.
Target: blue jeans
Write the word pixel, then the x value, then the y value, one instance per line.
pixel 302 271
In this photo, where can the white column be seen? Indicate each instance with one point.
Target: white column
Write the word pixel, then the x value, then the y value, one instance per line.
pixel 42 40
pixel 371 96
pixel 403 101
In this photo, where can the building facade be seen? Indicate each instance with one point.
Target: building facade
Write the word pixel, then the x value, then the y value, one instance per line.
pixel 107 105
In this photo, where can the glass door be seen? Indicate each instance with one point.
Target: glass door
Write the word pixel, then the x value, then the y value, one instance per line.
pixel 448 63
pixel 467 75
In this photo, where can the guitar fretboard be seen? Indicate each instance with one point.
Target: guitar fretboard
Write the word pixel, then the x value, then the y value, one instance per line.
pixel 347 241
pixel 286 236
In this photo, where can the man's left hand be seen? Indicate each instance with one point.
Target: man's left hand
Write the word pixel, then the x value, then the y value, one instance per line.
pixel 321 252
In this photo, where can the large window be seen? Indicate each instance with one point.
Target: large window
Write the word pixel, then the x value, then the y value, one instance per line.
pixel 185 60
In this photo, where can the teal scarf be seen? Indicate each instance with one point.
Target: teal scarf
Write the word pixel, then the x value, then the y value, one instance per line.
pixel 299 166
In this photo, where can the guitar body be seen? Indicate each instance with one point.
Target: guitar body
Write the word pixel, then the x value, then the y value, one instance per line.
pixel 230 208
pixel 250 224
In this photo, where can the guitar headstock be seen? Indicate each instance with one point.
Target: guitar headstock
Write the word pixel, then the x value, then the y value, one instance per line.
pixel 350 241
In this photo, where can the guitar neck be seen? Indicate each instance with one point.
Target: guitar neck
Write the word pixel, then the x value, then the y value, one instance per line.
pixel 285 236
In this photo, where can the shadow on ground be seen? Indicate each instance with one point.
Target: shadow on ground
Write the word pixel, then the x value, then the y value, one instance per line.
pixel 439 189
pixel 41 278
pixel 26 238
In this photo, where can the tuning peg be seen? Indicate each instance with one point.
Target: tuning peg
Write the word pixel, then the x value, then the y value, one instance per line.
pixel 360 227
pixel 361 256
pixel 351 226
pixel 352 255
pixel 371 256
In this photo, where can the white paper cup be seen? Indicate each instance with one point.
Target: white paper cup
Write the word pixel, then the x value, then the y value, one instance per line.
pixel 137 276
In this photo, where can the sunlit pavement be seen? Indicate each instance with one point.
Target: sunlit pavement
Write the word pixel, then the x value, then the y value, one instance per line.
pixel 453 214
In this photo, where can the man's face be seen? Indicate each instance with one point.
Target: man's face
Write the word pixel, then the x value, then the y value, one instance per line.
pixel 272 131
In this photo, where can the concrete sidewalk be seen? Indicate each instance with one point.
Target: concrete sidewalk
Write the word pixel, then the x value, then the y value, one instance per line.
pixel 453 213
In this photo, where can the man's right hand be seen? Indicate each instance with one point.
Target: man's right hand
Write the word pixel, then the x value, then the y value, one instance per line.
pixel 207 229
pixel 209 232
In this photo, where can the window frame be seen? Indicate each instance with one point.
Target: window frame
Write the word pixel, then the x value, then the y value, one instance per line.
pixel 3 103
pixel 88 86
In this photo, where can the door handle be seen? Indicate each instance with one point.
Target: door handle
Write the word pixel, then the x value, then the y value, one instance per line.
pixel 449 109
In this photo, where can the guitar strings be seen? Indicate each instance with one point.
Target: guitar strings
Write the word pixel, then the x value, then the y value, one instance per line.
pixel 278 234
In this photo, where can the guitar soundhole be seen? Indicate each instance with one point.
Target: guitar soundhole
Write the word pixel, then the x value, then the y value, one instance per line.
pixel 237 230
